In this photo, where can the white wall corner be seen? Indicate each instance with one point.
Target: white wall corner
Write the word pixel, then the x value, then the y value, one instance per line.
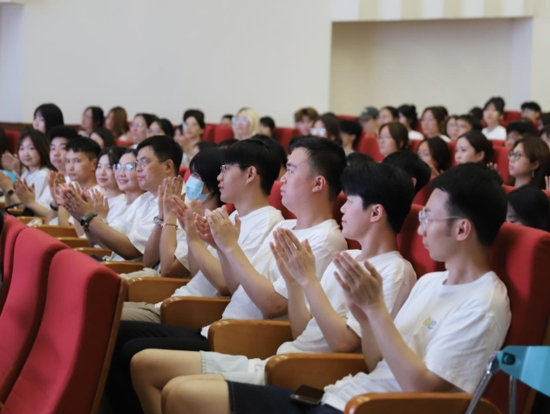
pixel 344 10
pixel 521 62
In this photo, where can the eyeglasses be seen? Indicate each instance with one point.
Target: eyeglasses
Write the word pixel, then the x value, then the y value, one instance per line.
pixel 318 132
pixel 424 220
pixel 137 124
pixel 142 163
pixel 427 118
pixel 237 121
pixel 515 156
pixel 127 167
pixel 155 131
pixel 225 167
pixel 383 137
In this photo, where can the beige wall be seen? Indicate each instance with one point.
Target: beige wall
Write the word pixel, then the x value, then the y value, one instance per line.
pixel 457 63
pixel 169 55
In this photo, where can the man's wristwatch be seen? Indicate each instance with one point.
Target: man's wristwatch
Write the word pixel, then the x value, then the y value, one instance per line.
pixel 85 221
pixel 158 222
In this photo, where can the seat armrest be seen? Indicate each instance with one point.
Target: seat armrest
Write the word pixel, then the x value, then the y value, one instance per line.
pixel 124 267
pixel 73 241
pixel 192 312
pixel 315 370
pixel 58 231
pixel 28 219
pixel 15 211
pixel 252 338
pixel 416 403
pixel 153 289
pixel 98 251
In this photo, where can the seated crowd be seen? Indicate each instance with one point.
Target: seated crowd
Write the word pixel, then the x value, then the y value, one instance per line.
pixel 119 184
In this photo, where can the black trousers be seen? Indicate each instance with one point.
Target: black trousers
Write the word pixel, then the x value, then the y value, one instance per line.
pixel 133 337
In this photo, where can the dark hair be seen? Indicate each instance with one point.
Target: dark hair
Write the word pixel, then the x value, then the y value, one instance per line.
pixel 165 148
pixel 202 145
pixel 411 163
pixel 255 152
pixel 545 130
pixel 86 146
pixel 62 131
pixel 477 113
pixel 381 184
pixel 399 134
pixel 439 114
pixel 409 112
pixel 497 102
pixel 536 150
pixel 226 143
pixel 533 106
pixel 358 158
pixel 198 115
pixel 277 149
pixel 480 143
pixel 52 115
pixel 521 127
pixel 474 122
pixel 393 111
pixel 475 195
pixel 439 151
pixel 148 118
pixel 113 154
pixel 545 118
pixel 120 126
pixel 531 206
pixel 207 164
pixel 4 144
pixel 310 112
pixel 132 151
pixel 98 118
pixel 40 143
pixel 106 135
pixel 352 128
pixel 332 125
pixel 267 121
pixel 228 116
pixel 166 126
pixel 326 158
pixel 444 109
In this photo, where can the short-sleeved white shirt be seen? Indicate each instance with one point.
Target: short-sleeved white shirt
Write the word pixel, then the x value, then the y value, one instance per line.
pixel 415 135
pixel 117 207
pixel 39 179
pixel 453 328
pixel 496 133
pixel 255 227
pixel 324 238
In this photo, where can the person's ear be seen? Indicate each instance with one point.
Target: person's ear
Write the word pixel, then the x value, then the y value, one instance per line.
pixel 377 212
pixel 169 167
pixel 94 163
pixel 464 229
pixel 251 173
pixel 320 183
pixel 414 181
pixel 480 156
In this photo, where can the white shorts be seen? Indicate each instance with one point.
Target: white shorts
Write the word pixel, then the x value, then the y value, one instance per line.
pixel 236 368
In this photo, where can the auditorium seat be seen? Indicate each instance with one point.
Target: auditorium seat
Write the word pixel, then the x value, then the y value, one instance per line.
pixel 13 136
pixel 452 150
pixel 10 233
pixel 67 367
pixel 369 146
pixel 209 130
pixel 284 135
pixel 498 142
pixel 414 144
pixel 22 312
pixel 123 143
pixel 501 160
pixel 58 231
pixel 508 189
pixel 421 198
pixel 152 289
pixel 510 116
pixel 221 133
pixel 346 117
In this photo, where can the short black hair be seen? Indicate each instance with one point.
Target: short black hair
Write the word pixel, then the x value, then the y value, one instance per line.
pixel 254 152
pixel 275 147
pixel 226 143
pixel 439 151
pixel 533 106
pixel 202 145
pixel 411 163
pixel 531 206
pixel 207 164
pixel 166 126
pixel 474 121
pixel 479 142
pixel 165 148
pixel 326 158
pixel 497 102
pixel 113 153
pixel 381 184
pixel 521 127
pixel 352 128
pixel 476 195
pixel 268 122
pixel 477 113
pixel 409 112
pixel 52 115
pixel 358 157
pixel 148 118
pixel 197 114
pixel 86 146
pixel 228 116
pixel 62 131
pixel 393 111
pixel 106 135
pixel 98 117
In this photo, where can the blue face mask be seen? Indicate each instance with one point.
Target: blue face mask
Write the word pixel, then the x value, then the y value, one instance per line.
pixel 193 189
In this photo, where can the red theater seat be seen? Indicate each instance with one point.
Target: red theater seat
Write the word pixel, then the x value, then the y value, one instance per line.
pixel 284 135
pixel 123 143
pixel 276 201
pixel 510 116
pixel 346 117
pixel 221 133
pixel 369 146
pixel 10 232
pixel 421 198
pixel 209 130
pixel 414 144
pixel 67 366
pixel 13 136
pixel 22 313
pixel 501 159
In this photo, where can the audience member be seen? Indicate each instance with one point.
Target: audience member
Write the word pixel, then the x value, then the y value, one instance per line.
pixel 367 118
pixel 529 162
pixel 351 133
pixel 493 113
pixel 435 152
pixel 138 127
pixel 227 120
pixel 92 118
pixel 327 126
pixel 433 122
pixel 451 128
pixel 267 126
pixel 193 128
pixel 411 163
pixel 392 137
pixel 47 116
pixel 516 130
pixel 529 206
pixel 104 138
pixel 303 120
pixel 532 111
pixel 409 118
pixel 245 123
pixel 466 123
pixel 387 114
pixel 474 147
pixel 117 122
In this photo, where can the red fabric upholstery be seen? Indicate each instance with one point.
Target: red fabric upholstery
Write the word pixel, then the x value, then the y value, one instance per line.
pixel 63 370
pixel 411 247
pixel 452 149
pixel 501 159
pixel 123 143
pixel 508 188
pixel 13 136
pixel 414 144
pixel 498 142
pixel 510 116
pixel 187 175
pixel 22 313
pixel 221 133
pixel 521 258
pixel 338 203
pixel 347 117
pixel 208 134
pixel 183 170
pixel 276 201
pixel 284 135
pixel 369 146
pixel 10 232
pixel 421 198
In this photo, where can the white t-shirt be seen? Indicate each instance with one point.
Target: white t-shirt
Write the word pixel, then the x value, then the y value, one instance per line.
pixel 454 329
pixel 325 239
pixel 117 207
pixel 445 138
pixel 255 227
pixel 40 180
pixel 415 135
pixel 496 133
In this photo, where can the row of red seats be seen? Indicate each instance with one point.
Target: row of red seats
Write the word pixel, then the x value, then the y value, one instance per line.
pixel 59 318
